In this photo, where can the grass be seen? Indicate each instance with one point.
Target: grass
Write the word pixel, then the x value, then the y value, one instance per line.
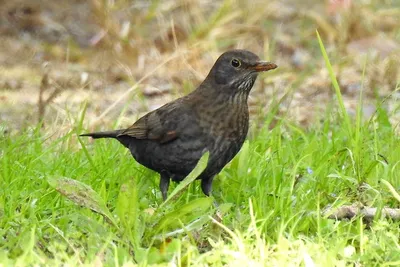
pixel 271 200
pixel 271 197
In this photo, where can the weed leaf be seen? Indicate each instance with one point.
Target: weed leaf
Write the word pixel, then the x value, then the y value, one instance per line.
pixel 81 194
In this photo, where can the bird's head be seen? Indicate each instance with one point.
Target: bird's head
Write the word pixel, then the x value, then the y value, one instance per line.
pixel 237 70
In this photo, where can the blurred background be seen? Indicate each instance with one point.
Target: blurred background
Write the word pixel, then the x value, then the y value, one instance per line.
pixel 115 60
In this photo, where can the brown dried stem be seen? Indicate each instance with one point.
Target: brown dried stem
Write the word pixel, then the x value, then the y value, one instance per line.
pixel 42 102
pixel 368 213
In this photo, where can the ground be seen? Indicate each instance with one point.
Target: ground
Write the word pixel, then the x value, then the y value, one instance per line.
pixel 138 56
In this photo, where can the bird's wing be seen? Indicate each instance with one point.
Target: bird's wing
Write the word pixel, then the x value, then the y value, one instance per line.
pixel 155 125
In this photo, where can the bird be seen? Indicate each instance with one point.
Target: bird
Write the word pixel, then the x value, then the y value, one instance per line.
pixel 214 117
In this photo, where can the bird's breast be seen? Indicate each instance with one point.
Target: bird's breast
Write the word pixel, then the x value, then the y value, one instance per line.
pixel 225 121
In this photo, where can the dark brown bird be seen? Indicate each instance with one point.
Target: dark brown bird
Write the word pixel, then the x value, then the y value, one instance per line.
pixel 171 139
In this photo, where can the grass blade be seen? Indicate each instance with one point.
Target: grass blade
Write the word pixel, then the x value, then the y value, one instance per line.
pixel 335 85
pixel 395 194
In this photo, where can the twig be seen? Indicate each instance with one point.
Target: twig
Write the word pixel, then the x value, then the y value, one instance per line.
pixel 368 213
pixel 42 102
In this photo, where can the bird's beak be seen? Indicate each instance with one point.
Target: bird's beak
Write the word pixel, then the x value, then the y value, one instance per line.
pixel 263 66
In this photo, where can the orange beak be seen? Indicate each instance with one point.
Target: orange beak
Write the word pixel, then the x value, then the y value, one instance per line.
pixel 263 66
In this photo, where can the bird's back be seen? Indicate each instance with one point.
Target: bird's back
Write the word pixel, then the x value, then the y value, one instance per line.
pixel 178 156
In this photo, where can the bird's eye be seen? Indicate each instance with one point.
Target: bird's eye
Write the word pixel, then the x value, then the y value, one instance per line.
pixel 235 63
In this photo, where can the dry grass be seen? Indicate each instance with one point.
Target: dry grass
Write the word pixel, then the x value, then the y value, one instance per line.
pixel 135 56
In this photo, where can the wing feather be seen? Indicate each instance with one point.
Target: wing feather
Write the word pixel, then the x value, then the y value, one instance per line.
pixel 153 127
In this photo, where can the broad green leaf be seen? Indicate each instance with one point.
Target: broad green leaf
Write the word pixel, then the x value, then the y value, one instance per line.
pixel 127 204
pixel 201 165
pixel 243 165
pixel 128 212
pixel 184 215
pixel 81 194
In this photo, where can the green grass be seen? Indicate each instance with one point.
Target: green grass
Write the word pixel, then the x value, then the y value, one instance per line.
pixel 271 199
pixel 270 196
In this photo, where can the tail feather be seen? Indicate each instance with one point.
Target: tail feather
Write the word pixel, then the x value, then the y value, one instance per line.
pixel 107 134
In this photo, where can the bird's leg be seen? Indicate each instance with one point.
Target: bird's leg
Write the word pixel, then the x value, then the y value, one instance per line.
pixel 206 184
pixel 164 184
pixel 206 187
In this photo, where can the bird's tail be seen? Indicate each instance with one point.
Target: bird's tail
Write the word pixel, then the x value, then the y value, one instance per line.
pixel 107 134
